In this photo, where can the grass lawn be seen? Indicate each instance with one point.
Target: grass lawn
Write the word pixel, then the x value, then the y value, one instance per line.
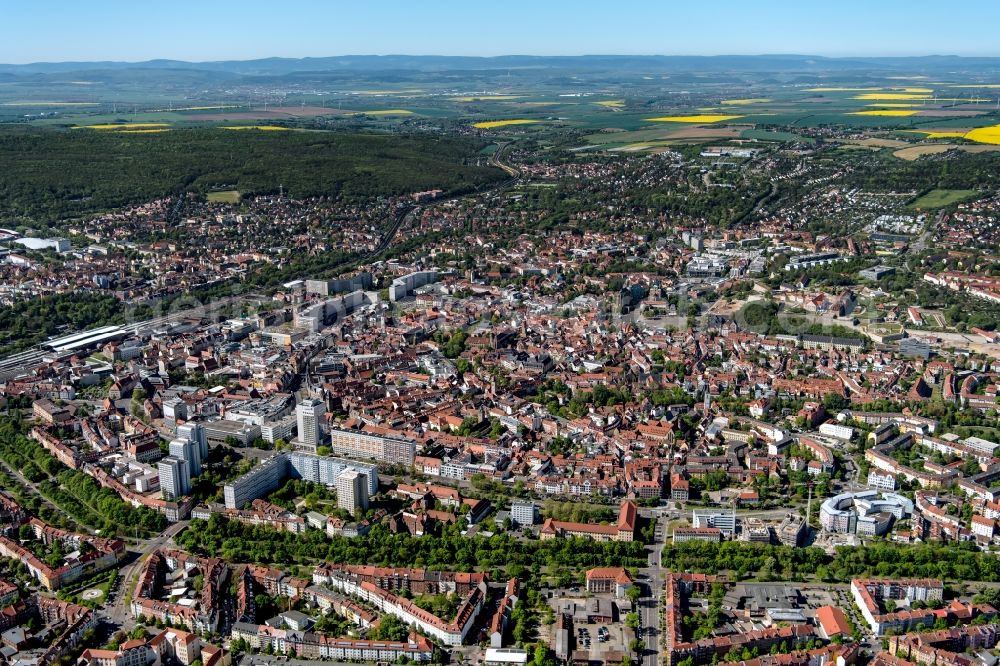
pixel 226 196
pixel 942 198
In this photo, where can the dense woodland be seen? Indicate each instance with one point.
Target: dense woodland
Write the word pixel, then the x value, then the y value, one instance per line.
pixel 49 175
pixel 890 174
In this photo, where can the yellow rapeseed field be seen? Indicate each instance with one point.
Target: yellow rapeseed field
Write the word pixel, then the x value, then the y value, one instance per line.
pixel 989 135
pixel 384 112
pixel 612 103
pixel 884 112
pixel 883 90
pixel 490 124
pixel 704 118
pixel 892 96
pixel 945 135
pixel 143 131
pixel 126 126
pixel 896 105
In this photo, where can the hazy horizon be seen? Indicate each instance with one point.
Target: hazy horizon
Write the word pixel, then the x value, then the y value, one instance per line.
pixel 858 56
pixel 230 30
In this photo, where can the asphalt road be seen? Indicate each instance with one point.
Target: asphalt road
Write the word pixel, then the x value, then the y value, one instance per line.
pixel 649 605
pixel 116 609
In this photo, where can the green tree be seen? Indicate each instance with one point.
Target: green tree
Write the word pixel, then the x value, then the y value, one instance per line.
pixel 633 594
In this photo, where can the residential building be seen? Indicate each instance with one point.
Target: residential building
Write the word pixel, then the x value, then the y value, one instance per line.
pixel 352 491
pixel 384 448
pixel 175 477
pixel 523 513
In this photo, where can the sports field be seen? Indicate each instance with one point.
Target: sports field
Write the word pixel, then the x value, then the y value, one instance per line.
pixel 225 196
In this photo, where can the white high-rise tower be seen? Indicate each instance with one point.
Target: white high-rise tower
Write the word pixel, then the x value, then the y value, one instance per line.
pixel 309 414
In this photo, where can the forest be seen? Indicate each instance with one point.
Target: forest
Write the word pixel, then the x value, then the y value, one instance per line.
pixel 53 174
pixel 889 174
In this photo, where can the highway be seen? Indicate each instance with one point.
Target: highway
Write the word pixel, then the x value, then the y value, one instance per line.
pixel 497 155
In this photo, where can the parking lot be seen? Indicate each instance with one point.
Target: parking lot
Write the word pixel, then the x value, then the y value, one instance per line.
pixel 588 638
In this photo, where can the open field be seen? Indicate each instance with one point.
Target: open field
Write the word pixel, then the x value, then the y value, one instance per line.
pixel 773 135
pixel 986 135
pixel 950 113
pixel 127 126
pixel 210 107
pixel 891 96
pixel 30 104
pixel 919 150
pixel 485 98
pixel 884 112
pixel 604 138
pixel 942 198
pixel 274 113
pixel 946 135
pixel 775 107
pixel 715 132
pixel 871 90
pixel 704 118
pixel 877 143
pixel 263 128
pixel 828 89
pixel 493 124
pixel 224 196
pixel 385 112
pixel 989 135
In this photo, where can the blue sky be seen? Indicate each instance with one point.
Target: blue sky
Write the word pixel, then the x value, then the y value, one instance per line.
pixel 54 30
